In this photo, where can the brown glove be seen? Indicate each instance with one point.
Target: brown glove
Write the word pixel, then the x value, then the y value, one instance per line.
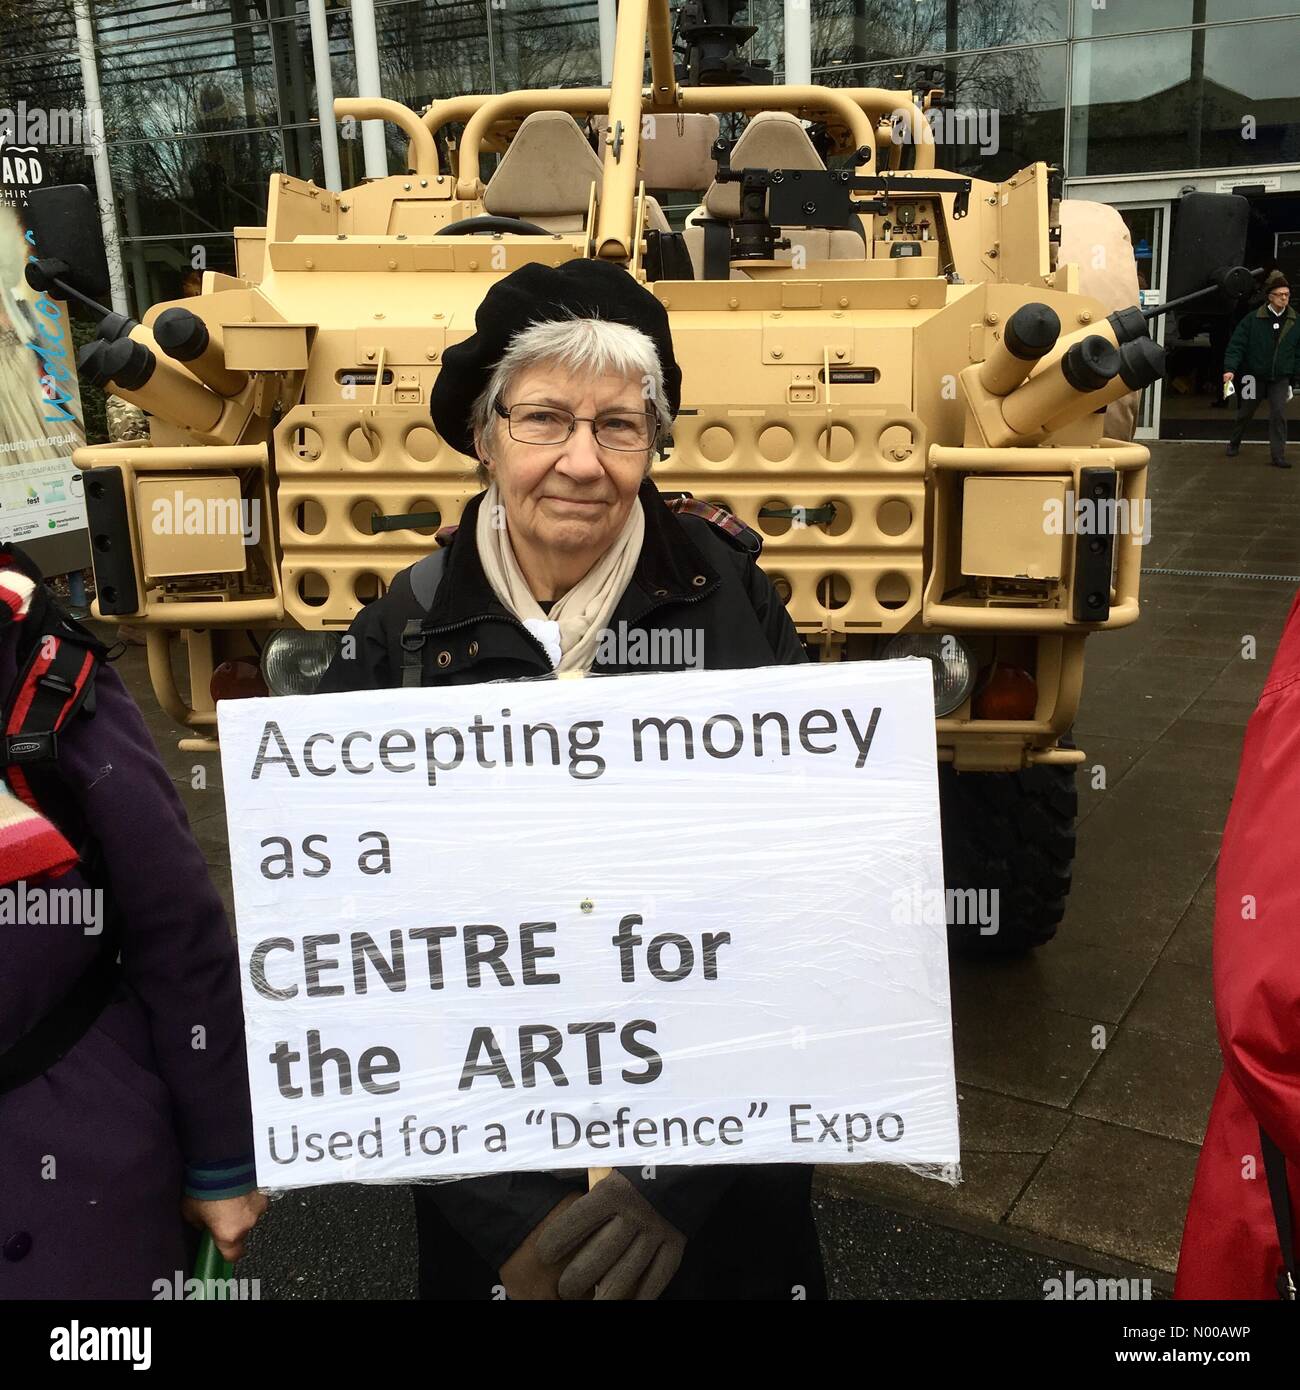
pixel 615 1242
pixel 526 1277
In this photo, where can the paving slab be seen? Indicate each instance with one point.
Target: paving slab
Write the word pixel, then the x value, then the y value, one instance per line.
pixel 1133 880
pixel 1107 761
pixel 1032 1053
pixel 1003 1142
pixel 1183 802
pixel 1150 1082
pixel 1176 1002
pixel 1098 983
pixel 1193 940
pixel 1114 1189
pixel 1203 763
pixel 1205 733
pixel 1211 709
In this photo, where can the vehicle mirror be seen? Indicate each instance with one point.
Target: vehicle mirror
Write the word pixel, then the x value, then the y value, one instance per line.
pixel 64 223
pixel 1209 240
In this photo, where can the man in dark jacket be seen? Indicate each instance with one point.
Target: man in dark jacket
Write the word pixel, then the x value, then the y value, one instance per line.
pixel 1263 352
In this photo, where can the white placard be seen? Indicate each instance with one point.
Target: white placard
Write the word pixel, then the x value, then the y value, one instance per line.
pixel 626 921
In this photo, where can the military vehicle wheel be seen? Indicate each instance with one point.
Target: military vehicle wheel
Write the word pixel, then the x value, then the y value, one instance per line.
pixel 481 226
pixel 1011 833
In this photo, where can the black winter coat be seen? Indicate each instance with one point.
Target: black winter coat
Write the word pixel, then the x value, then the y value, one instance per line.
pixel 691 576
pixel 749 1228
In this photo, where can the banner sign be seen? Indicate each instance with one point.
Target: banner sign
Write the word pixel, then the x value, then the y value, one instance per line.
pixel 41 419
pixel 614 922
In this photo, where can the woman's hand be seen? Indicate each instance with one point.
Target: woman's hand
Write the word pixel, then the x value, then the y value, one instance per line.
pixel 525 1275
pixel 612 1244
pixel 228 1218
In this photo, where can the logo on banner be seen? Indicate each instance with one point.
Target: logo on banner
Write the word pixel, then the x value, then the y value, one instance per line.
pixel 20 169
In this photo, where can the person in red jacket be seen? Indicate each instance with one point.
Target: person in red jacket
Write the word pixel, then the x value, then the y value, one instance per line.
pixel 1241 1217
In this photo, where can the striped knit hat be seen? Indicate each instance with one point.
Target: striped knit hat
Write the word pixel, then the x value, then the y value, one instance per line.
pixel 31 848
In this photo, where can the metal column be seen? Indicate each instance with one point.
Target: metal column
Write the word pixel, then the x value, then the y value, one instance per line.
pixel 798 43
pixel 329 131
pixel 608 14
pixel 366 47
pixel 94 136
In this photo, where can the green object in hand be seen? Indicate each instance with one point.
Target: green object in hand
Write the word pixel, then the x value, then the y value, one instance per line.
pixel 210 1265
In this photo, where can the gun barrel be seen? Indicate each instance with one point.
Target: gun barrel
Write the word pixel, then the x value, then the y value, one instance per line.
pixel 1123 326
pixel 1029 333
pixel 115 326
pixel 1141 362
pixel 138 375
pixel 1084 368
pixel 184 336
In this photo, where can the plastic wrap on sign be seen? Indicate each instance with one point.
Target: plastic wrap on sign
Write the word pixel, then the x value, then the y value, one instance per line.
pixel 643 920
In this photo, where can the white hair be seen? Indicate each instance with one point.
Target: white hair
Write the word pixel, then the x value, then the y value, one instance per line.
pixel 584 347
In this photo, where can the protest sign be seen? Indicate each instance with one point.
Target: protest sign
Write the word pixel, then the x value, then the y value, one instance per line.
pixel 630 921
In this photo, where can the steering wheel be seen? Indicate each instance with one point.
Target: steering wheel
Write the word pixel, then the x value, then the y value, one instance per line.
pixel 472 226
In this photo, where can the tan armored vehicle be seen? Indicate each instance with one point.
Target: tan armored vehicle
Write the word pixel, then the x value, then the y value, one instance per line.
pixel 889 373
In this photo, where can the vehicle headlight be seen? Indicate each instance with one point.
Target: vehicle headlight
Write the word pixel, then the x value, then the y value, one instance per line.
pixel 952 664
pixel 293 662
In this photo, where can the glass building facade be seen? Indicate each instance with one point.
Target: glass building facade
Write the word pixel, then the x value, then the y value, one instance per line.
pixel 205 99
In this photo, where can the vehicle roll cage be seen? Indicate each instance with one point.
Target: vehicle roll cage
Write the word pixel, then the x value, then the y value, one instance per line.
pixel 860 118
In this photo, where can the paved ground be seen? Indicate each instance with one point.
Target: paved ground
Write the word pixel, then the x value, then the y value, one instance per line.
pixel 1061 1137
pixel 1085 1072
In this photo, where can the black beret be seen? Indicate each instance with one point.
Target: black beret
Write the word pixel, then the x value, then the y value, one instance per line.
pixel 540 294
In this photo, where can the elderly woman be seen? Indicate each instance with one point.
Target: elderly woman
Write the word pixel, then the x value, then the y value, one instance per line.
pixel 562 394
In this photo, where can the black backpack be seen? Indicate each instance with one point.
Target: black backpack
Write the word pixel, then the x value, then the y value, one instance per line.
pixel 57 663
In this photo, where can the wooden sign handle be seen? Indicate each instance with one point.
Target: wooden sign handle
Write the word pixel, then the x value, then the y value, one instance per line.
pixel 594 1175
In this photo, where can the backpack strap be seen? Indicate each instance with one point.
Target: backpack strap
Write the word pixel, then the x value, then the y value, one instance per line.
pixel 426 575
pixel 57 661
pixel 741 536
pixel 55 1035
pixel 413 639
pixel 57 680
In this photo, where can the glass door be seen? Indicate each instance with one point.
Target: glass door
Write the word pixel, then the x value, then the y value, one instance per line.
pixel 1148 229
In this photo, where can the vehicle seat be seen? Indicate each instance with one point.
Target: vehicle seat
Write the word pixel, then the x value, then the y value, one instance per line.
pixel 675 153
pixel 771 140
pixel 545 176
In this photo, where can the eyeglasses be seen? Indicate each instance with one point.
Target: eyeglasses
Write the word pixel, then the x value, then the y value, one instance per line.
pixel 626 430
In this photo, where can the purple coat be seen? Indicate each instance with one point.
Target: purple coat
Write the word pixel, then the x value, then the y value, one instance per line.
pixel 96 1153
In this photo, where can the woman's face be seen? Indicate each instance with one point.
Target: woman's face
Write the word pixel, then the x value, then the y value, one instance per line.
pixel 571 499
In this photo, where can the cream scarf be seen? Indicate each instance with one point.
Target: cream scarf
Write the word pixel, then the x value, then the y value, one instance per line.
pixel 572 632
